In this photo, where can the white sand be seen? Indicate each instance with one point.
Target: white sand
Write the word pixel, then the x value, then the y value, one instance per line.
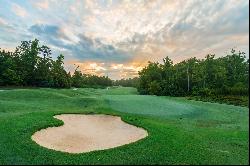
pixel 85 133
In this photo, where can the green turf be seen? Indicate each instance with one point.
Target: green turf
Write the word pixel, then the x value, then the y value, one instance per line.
pixel 180 131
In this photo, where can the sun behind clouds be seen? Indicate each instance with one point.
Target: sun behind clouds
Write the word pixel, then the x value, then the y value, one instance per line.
pixel 110 33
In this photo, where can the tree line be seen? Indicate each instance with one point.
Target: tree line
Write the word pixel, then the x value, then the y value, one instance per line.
pixel 82 80
pixel 228 75
pixel 129 82
pixel 32 65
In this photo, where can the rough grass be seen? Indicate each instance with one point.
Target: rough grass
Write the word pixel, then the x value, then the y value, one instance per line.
pixel 180 131
pixel 232 100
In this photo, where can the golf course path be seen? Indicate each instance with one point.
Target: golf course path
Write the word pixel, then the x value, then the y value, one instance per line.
pixel 85 133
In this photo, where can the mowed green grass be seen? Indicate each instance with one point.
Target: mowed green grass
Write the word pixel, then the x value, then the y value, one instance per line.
pixel 180 131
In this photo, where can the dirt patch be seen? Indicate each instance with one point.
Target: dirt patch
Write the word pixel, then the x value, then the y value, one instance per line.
pixel 85 133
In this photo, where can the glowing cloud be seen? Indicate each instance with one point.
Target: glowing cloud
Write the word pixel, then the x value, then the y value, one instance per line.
pixel 3 22
pixel 44 4
pixel 18 10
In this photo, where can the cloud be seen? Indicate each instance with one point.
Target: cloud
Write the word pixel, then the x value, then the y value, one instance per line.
pixel 196 30
pixel 113 70
pixel 44 4
pixel 18 10
pixel 85 49
pixel 10 34
pixel 3 22
pixel 41 29
pixel 91 67
pixel 97 50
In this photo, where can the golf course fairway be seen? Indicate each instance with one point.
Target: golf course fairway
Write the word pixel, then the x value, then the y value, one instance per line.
pixel 180 131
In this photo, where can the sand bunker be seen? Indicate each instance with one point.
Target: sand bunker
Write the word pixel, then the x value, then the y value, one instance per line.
pixel 85 133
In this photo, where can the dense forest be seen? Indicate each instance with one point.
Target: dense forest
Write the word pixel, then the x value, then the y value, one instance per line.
pixel 209 77
pixel 130 82
pixel 81 80
pixel 32 65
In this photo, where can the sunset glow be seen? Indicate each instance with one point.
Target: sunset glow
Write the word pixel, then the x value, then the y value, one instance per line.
pixel 118 37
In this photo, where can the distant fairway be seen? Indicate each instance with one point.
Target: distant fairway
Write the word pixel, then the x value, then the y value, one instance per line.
pixel 180 131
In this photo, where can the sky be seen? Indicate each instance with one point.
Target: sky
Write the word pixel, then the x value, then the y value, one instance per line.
pixel 117 38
